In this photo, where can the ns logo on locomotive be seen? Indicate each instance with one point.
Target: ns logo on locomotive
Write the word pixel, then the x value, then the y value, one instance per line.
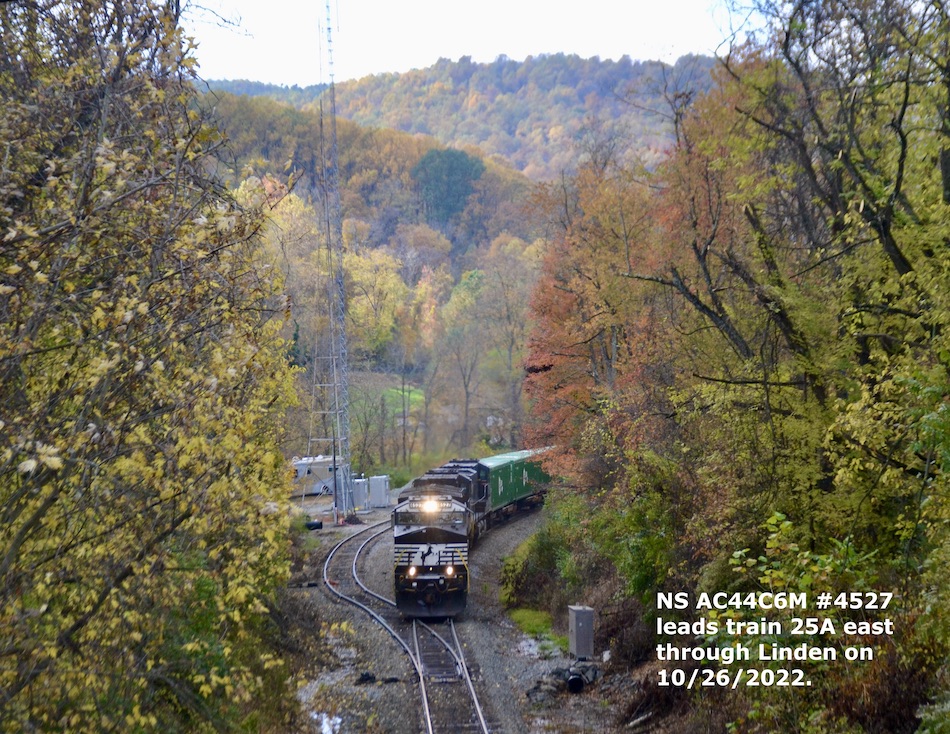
pixel 440 514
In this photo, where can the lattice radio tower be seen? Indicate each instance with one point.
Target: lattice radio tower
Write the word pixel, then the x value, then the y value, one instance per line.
pixel 329 433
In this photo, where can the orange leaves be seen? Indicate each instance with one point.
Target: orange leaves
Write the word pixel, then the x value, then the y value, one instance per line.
pixel 595 324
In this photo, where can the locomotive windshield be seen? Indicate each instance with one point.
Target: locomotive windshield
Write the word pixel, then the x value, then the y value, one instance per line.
pixel 441 519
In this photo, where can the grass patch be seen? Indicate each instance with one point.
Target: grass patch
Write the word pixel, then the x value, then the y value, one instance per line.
pixel 537 624
pixel 394 396
pixel 306 540
pixel 532 621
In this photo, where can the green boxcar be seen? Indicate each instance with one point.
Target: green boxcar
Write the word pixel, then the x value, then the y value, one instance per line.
pixel 511 477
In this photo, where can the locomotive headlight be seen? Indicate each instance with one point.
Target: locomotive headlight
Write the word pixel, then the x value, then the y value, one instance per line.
pixel 450 570
pixel 412 571
pixel 430 506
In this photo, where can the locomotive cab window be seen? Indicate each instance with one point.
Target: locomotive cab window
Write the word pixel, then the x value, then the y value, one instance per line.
pixel 444 519
pixel 410 518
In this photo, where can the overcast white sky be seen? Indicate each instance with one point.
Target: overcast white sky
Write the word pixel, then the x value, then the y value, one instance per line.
pixel 285 41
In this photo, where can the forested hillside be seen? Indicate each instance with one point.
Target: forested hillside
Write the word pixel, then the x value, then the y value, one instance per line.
pixel 738 350
pixel 441 252
pixel 383 173
pixel 730 319
pixel 531 113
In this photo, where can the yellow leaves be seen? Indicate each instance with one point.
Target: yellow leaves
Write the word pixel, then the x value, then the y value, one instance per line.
pixel 225 223
pixel 101 367
pixel 20 230
pixel 142 437
pixel 49 457
pixel 44 455
pixel 98 317
pixel 137 719
pixel 338 629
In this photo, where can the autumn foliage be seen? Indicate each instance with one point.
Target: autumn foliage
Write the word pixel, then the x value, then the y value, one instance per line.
pixel 141 383
pixel 737 348
pixel 742 350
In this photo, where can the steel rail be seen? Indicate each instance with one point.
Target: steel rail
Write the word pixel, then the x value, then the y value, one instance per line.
pixel 454 648
pixel 427 713
pixel 468 680
pixel 416 661
pixel 356 575
pixel 459 654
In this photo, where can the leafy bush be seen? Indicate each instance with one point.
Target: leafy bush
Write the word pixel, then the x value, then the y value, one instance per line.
pixel 878 695
pixel 142 383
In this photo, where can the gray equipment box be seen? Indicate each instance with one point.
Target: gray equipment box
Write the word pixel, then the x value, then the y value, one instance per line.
pixel 360 493
pixel 379 491
pixel 581 632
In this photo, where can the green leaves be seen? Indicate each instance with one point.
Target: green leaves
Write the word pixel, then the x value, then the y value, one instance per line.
pixel 446 178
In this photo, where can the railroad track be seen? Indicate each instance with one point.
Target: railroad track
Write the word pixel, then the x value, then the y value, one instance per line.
pixel 448 697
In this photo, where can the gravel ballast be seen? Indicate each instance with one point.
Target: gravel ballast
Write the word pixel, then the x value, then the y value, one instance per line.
pixel 364 683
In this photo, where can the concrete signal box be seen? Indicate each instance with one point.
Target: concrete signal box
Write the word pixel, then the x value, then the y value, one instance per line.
pixel 581 632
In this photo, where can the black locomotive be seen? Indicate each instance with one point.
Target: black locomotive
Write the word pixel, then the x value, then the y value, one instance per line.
pixel 440 514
